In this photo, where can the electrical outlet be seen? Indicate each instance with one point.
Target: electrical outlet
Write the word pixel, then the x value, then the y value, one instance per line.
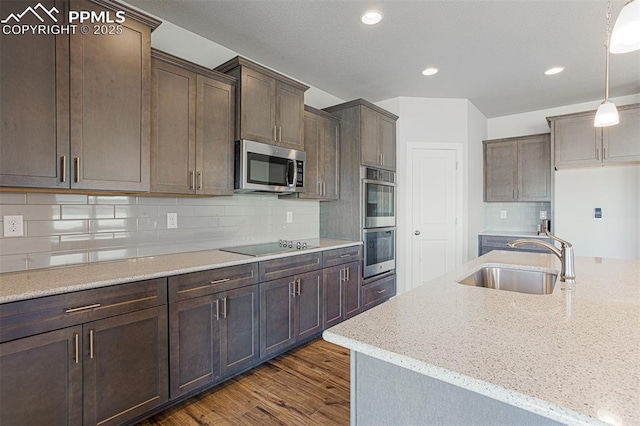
pixel 13 226
pixel 503 214
pixel 289 217
pixel 172 220
pixel 543 214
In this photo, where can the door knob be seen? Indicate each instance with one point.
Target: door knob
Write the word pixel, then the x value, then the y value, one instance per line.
pixel 416 232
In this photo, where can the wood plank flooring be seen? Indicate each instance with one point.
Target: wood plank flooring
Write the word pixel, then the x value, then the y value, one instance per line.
pixel 306 386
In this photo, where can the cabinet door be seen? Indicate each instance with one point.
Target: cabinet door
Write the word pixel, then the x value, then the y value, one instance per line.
pixel 333 295
pixel 41 379
pixel 370 134
pixel 173 121
pixel 352 302
pixel 577 142
pixel 125 366
pixel 110 106
pixel 534 169
pixel 622 142
pixel 239 322
pixel 388 142
pixel 501 174
pixel 308 305
pixel 276 316
pixel 257 107
pixel 194 344
pixel 313 162
pixel 330 158
pixel 34 105
pixel 214 137
pixel 290 111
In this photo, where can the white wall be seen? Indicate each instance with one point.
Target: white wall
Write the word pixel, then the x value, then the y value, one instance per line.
pixel 433 120
pixel 616 189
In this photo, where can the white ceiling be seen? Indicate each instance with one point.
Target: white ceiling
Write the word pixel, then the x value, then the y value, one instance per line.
pixel 492 52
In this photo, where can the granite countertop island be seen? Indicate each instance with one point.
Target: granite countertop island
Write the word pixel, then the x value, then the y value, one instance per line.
pixel 571 357
pixel 15 286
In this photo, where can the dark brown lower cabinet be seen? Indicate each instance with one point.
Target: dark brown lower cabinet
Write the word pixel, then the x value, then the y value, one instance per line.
pixel 341 293
pixel 212 336
pixel 125 366
pixel 291 309
pixel 41 379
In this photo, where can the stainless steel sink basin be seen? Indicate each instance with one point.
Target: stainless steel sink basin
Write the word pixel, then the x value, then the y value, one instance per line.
pixel 512 279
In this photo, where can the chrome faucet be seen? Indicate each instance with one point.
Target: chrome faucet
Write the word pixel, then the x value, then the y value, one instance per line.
pixel 564 253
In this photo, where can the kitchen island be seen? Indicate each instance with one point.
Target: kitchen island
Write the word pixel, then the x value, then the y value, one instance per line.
pixel 447 353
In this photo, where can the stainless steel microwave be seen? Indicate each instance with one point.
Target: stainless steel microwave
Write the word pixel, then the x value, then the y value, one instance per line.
pixel 267 168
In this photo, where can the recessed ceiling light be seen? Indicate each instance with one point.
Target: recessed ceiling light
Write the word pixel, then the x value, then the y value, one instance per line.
pixel 371 17
pixel 430 71
pixel 554 70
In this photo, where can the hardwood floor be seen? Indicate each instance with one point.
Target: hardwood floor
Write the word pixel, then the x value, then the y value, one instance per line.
pixel 306 386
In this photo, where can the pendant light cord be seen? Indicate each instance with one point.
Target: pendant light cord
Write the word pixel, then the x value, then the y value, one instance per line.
pixel 606 47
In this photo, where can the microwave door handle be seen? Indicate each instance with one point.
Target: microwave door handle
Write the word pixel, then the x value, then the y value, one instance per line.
pixel 292 172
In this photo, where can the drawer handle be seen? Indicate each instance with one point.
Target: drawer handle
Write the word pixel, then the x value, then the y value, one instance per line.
pixel 82 308
pixel 223 280
pixel 381 291
pixel 345 255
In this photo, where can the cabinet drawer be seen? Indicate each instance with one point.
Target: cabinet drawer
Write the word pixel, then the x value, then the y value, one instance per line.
pixel 28 317
pixel 197 284
pixel 340 256
pixel 376 292
pixel 288 266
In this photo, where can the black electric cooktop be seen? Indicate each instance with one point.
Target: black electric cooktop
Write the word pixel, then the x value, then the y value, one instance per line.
pixel 267 248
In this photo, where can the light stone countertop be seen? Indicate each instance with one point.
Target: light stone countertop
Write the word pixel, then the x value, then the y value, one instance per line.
pixel 16 286
pixel 572 356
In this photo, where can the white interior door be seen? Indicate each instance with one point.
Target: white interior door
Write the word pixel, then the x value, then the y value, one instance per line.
pixel 436 212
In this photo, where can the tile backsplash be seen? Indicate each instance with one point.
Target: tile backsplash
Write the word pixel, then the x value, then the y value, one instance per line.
pixel 520 216
pixel 70 229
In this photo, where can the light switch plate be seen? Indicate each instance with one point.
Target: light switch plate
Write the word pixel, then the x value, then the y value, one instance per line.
pixel 503 214
pixel 13 226
pixel 289 217
pixel 172 220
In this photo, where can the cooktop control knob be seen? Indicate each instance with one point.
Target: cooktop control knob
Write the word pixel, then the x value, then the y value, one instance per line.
pixel 290 244
pixel 304 245
pixel 299 245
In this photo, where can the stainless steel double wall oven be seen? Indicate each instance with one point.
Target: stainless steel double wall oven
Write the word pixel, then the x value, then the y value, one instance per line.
pixel 378 221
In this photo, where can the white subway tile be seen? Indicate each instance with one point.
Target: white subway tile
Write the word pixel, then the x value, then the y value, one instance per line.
pixel 13 198
pixel 41 228
pixel 115 254
pixel 85 241
pixel 42 198
pixel 113 225
pixel 28 245
pixel 12 263
pixel 31 212
pixel 87 212
pixel 112 199
pixel 208 210
pixel 130 211
pixel 49 260
pixel 158 201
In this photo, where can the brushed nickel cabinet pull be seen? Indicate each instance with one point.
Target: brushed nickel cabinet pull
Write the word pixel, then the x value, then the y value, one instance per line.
pixel 192 180
pixel 275 134
pixel 342 274
pixel 299 287
pixel 82 308
pixel 217 309
pixel 348 273
pixel 224 307
pixel 199 183
pixel 91 344
pixel 63 168
pixel 342 256
pixel 597 153
pixel 381 291
pixel 280 134
pixel 319 188
pixel 382 160
pixel 223 280
pixel 324 189
pixel 76 162
pixel 292 286
pixel 604 152
pixel 76 338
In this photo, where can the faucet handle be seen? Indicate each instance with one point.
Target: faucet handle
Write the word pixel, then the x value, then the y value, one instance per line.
pixel 562 242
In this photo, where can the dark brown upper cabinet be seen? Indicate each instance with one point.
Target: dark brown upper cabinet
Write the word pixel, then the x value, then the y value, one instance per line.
pixel 577 143
pixel 371 130
pixel 269 106
pixel 517 169
pixel 322 166
pixel 76 108
pixel 192 115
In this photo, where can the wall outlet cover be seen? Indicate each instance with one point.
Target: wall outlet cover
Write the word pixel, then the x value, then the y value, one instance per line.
pixel 172 220
pixel 289 217
pixel 543 214
pixel 13 226
pixel 503 214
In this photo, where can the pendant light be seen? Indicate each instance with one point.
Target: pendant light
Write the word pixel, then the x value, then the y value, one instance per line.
pixel 607 114
pixel 625 36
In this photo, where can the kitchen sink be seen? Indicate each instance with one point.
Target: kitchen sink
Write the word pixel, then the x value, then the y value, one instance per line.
pixel 512 279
